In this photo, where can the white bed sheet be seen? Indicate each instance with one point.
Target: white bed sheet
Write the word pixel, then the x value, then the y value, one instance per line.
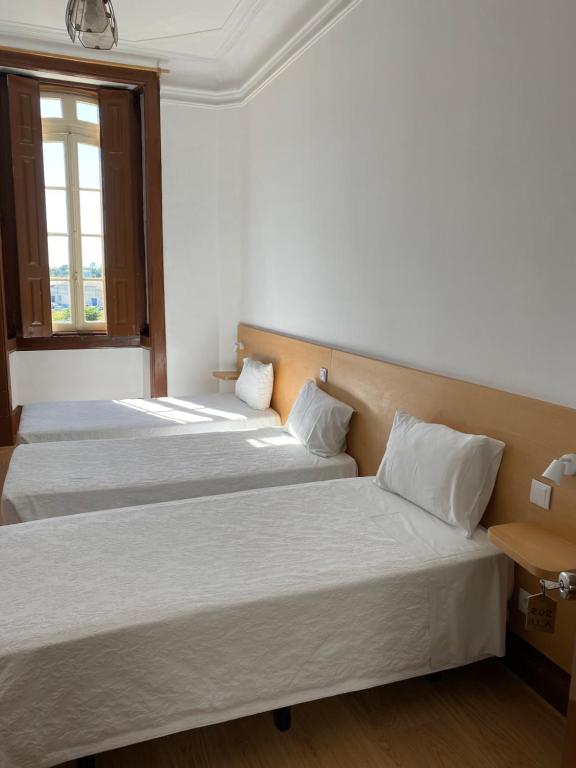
pixel 104 419
pixel 125 626
pixel 68 478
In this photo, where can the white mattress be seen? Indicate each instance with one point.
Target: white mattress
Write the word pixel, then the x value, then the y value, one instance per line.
pixel 124 626
pixel 100 419
pixel 67 478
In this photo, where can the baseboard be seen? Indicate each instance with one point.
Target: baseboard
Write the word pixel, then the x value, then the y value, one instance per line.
pixel 542 675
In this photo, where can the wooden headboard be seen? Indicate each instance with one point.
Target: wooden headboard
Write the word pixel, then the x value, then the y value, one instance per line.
pixel 534 431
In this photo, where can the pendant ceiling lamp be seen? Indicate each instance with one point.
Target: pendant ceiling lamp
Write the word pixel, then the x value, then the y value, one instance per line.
pixel 93 22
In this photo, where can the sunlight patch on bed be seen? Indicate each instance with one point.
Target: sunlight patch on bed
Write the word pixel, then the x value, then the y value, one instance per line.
pixel 142 405
pixel 282 440
pixel 270 442
pixel 228 415
pixel 163 412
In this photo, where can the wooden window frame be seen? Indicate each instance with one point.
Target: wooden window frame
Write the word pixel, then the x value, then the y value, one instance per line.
pixel 57 71
pixel 71 132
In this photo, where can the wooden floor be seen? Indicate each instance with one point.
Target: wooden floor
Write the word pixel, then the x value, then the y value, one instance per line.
pixel 477 717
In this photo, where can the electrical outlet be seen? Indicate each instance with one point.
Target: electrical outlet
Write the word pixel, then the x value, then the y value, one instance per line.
pixel 323 375
pixel 540 494
pixel 523 596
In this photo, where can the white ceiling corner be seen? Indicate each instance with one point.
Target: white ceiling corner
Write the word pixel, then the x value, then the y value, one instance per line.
pixel 219 53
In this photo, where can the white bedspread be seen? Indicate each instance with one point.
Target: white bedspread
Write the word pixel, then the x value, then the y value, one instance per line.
pixel 100 419
pixel 67 478
pixel 124 626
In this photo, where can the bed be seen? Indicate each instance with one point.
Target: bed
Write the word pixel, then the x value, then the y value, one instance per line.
pixel 53 479
pixel 102 419
pixel 128 625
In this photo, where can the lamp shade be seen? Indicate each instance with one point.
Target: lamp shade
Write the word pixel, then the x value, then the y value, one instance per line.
pixel 555 471
pixel 93 23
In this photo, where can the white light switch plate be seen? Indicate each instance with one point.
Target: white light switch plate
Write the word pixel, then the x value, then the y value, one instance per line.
pixel 523 596
pixel 323 376
pixel 540 494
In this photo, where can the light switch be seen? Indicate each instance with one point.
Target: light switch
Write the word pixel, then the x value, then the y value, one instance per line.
pixel 540 494
pixel 523 596
pixel 323 375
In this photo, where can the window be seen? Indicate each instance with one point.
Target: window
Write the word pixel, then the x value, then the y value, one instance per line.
pixel 73 191
pixel 81 211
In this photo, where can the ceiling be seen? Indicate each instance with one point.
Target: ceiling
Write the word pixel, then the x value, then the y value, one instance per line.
pixel 218 52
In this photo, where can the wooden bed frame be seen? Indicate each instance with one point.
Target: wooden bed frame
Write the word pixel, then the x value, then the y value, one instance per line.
pixel 534 431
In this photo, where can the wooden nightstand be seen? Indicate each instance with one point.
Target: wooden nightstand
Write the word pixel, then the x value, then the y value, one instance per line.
pixel 536 549
pixel 226 375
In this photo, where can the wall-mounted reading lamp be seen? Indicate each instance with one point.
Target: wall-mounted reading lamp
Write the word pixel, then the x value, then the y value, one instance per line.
pixel 565 465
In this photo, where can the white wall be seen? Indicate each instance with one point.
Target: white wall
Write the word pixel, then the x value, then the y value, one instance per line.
pixel 191 274
pixel 231 217
pixel 411 191
pixel 84 374
pixel 201 156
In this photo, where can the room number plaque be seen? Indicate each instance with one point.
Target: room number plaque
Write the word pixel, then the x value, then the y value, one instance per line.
pixel 541 614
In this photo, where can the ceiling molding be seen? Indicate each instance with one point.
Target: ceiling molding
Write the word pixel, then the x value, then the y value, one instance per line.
pixel 231 19
pixel 330 15
pixel 239 23
pixel 212 82
pixel 175 94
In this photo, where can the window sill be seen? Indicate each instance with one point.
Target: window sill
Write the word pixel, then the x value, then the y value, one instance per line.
pixel 78 341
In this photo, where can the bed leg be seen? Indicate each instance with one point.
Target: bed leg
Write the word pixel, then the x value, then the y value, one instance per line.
pixel 283 718
pixel 86 762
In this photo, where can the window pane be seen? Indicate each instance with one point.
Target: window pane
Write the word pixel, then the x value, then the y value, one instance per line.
pixel 56 212
pixel 94 301
pixel 89 166
pixel 90 213
pixel 54 164
pixel 58 256
pixel 87 112
pixel 92 256
pixel 60 297
pixel 50 107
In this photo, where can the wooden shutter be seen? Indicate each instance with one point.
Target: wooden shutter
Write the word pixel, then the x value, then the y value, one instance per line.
pixel 27 178
pixel 120 140
pixel 6 423
pixel 8 220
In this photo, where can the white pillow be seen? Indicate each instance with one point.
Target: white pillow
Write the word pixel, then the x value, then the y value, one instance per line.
pixel 255 384
pixel 447 473
pixel 319 421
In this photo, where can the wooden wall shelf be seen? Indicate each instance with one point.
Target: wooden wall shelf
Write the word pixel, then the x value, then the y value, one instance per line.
pixel 539 551
pixel 226 375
